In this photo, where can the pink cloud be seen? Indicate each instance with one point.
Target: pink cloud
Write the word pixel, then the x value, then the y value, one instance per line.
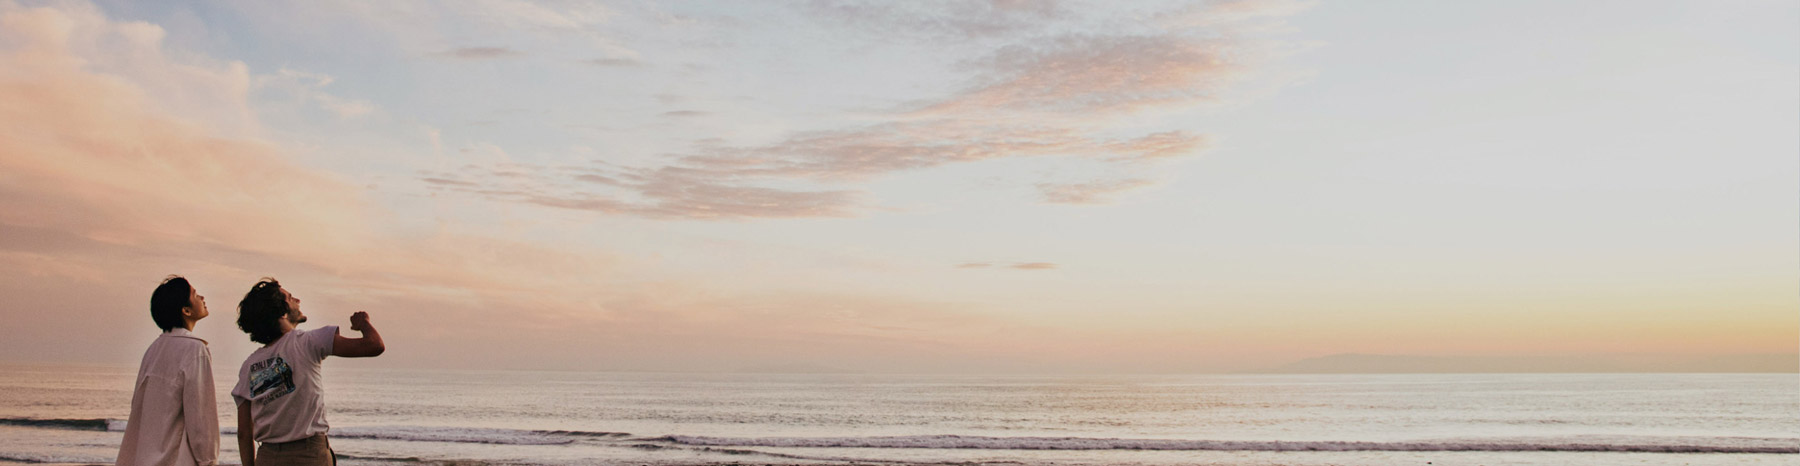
pixel 96 160
pixel 1097 192
pixel 869 151
pixel 614 62
pixel 668 193
pixel 97 154
pixel 1080 75
pixel 1062 96
pixel 481 53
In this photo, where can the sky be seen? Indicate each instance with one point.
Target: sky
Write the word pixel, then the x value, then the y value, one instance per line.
pixel 1005 186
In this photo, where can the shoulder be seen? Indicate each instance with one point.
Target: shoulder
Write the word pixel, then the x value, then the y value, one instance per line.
pixel 315 333
pixel 323 336
pixel 180 343
pixel 257 355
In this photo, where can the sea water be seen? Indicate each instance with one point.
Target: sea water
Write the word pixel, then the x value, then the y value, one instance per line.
pixel 74 414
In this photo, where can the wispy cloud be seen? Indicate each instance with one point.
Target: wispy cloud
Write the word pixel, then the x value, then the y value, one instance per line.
pixel 1013 266
pixel 938 20
pixel 1079 75
pixel 614 62
pixel 1098 192
pixel 1067 95
pixel 667 192
pixel 481 53
pixel 310 88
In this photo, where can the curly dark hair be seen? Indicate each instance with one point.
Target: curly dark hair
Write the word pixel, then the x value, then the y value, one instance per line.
pixel 259 314
pixel 168 300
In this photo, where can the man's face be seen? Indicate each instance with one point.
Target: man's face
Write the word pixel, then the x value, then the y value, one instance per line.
pixel 196 308
pixel 294 315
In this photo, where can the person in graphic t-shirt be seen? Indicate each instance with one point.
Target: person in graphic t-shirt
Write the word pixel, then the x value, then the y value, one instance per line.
pixel 174 420
pixel 280 389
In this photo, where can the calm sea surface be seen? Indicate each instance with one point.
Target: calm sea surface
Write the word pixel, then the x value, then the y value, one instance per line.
pixel 74 414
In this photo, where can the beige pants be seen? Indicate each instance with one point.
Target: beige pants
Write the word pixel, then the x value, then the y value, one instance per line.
pixel 310 451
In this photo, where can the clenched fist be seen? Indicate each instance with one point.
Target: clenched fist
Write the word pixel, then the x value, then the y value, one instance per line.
pixel 359 321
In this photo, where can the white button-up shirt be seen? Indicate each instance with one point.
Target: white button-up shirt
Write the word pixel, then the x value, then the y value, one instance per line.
pixel 174 418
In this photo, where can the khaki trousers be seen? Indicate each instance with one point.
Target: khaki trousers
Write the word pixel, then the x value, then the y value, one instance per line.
pixel 310 451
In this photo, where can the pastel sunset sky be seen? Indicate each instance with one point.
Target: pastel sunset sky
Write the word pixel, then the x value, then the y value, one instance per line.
pixel 920 186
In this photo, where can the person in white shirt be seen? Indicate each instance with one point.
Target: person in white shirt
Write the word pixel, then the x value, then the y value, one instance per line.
pixel 280 389
pixel 174 418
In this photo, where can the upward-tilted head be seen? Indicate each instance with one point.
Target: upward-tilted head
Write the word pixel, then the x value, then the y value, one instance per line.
pixel 175 302
pixel 261 312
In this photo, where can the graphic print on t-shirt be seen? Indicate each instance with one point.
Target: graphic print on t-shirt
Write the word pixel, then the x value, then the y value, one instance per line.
pixel 271 375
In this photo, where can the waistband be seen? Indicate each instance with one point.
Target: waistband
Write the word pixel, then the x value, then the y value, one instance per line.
pixel 309 442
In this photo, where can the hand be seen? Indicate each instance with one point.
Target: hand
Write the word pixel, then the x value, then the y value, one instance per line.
pixel 359 321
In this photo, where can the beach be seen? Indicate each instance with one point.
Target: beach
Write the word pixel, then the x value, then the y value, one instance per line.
pixel 72 414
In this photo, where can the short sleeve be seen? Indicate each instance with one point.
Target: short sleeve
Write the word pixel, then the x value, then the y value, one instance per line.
pixel 320 341
pixel 241 392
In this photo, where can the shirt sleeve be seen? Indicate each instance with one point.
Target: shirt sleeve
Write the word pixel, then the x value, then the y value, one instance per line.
pixel 320 341
pixel 240 393
pixel 200 409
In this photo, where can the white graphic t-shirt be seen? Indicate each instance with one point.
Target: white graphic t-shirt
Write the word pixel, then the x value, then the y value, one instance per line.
pixel 285 387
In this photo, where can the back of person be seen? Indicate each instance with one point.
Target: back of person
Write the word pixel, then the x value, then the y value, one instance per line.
pixel 174 416
pixel 284 384
pixel 280 392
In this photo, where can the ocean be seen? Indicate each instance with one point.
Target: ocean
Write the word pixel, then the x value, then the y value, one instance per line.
pixel 74 414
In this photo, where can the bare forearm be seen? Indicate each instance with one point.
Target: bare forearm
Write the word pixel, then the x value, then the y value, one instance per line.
pixel 373 338
pixel 246 435
pixel 370 345
pixel 246 449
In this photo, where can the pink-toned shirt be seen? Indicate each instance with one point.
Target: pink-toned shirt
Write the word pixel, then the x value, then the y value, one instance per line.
pixel 174 418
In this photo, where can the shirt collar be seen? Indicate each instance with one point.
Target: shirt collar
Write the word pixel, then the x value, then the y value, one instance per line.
pixel 183 332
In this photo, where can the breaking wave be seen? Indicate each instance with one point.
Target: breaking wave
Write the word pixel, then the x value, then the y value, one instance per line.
pixel 472 435
pixel 116 425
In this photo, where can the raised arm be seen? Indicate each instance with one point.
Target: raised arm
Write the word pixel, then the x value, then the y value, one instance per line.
pixel 246 434
pixel 368 346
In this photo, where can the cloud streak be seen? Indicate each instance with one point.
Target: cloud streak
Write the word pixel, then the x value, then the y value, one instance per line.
pixel 1013 266
pixel 1069 95
pixel 939 20
pixel 1098 192
pixel 1079 75
pixel 663 193
pixel 481 53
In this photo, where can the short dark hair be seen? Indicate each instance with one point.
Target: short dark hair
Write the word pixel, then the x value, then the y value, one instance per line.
pixel 259 314
pixel 167 301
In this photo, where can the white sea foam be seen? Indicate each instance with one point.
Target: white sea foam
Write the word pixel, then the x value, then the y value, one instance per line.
pixel 1591 444
pixel 454 434
pixel 52 458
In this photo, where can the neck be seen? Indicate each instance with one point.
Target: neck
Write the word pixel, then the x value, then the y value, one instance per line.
pixel 285 328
